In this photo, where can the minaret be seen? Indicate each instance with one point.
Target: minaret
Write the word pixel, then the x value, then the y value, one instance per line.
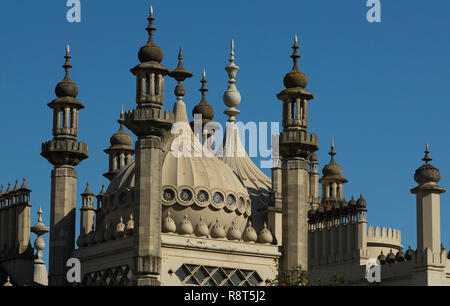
pixel 430 258
pixel 296 145
pixel 64 152
pixel 332 181
pixel 40 271
pixel 428 205
pixel 149 122
pixel 87 216
pixel 203 114
pixel 120 152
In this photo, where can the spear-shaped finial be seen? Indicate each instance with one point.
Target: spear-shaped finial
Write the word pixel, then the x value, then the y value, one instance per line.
pixel 427 157
pixel 295 56
pixel 67 66
pixel 232 97
pixel 180 74
pixel 151 28
pixel 332 152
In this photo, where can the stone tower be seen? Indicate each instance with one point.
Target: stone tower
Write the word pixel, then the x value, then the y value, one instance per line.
pixel 296 146
pixel 64 152
pixel 120 152
pixel 332 181
pixel 430 256
pixel 149 122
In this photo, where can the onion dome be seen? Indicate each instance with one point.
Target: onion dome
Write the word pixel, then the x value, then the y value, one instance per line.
pixel 217 230
pixel 66 88
pixel 382 258
pixel 233 232
pixel 332 169
pixel 265 236
pixel 185 227
pixel 250 233
pixel 150 52
pixel 100 235
pixel 295 78
pixel 120 229
pixel 390 258
pixel 168 225
pixel 361 203
pixel 400 256
pixel 409 253
pixel 130 226
pixel 203 108
pixel 427 173
pixel 352 203
pixel 202 229
pixel 313 158
pixel 121 138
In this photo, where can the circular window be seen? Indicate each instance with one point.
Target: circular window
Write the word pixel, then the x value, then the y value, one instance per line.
pixel 231 200
pixel 202 196
pixel 218 198
pixel 168 195
pixel 241 204
pixel 186 195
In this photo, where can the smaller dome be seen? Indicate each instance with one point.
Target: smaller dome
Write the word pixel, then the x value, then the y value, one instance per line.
pixel 409 253
pixel 66 88
pixel 265 236
pixel 361 203
pixel 234 233
pixel 202 229
pixel 295 78
pixel 332 169
pixel 250 233
pixel 382 258
pixel 400 256
pixel 427 173
pixel 121 138
pixel 313 158
pixel 150 53
pixel 217 230
pixel 168 225
pixel 390 258
pixel 352 203
pixel 185 227
pixel 204 109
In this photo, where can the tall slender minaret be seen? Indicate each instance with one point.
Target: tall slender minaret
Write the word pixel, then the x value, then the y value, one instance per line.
pixel 430 257
pixel 64 152
pixel 149 122
pixel 296 146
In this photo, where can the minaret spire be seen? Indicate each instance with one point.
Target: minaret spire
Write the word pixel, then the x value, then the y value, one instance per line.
pixel 67 66
pixel 427 157
pixel 295 56
pixel 151 28
pixel 180 74
pixel 332 152
pixel 232 97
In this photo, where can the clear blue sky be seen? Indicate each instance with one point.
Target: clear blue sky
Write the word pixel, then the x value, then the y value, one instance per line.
pixel 381 89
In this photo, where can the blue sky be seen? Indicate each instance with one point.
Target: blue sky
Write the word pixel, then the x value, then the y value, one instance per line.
pixel 381 89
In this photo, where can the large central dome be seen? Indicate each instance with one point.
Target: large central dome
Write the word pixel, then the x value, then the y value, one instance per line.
pixel 197 187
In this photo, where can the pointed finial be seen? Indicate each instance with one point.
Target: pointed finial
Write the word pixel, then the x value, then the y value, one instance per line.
pixel 151 28
pixel 180 74
pixel 16 186
pixel 1 190
pixel 67 66
pixel 295 56
pixel 332 152
pixel 40 214
pixel 427 157
pixel 121 119
pixel 232 97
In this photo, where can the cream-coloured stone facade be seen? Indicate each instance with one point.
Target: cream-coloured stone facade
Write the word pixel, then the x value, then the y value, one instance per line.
pixel 179 212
